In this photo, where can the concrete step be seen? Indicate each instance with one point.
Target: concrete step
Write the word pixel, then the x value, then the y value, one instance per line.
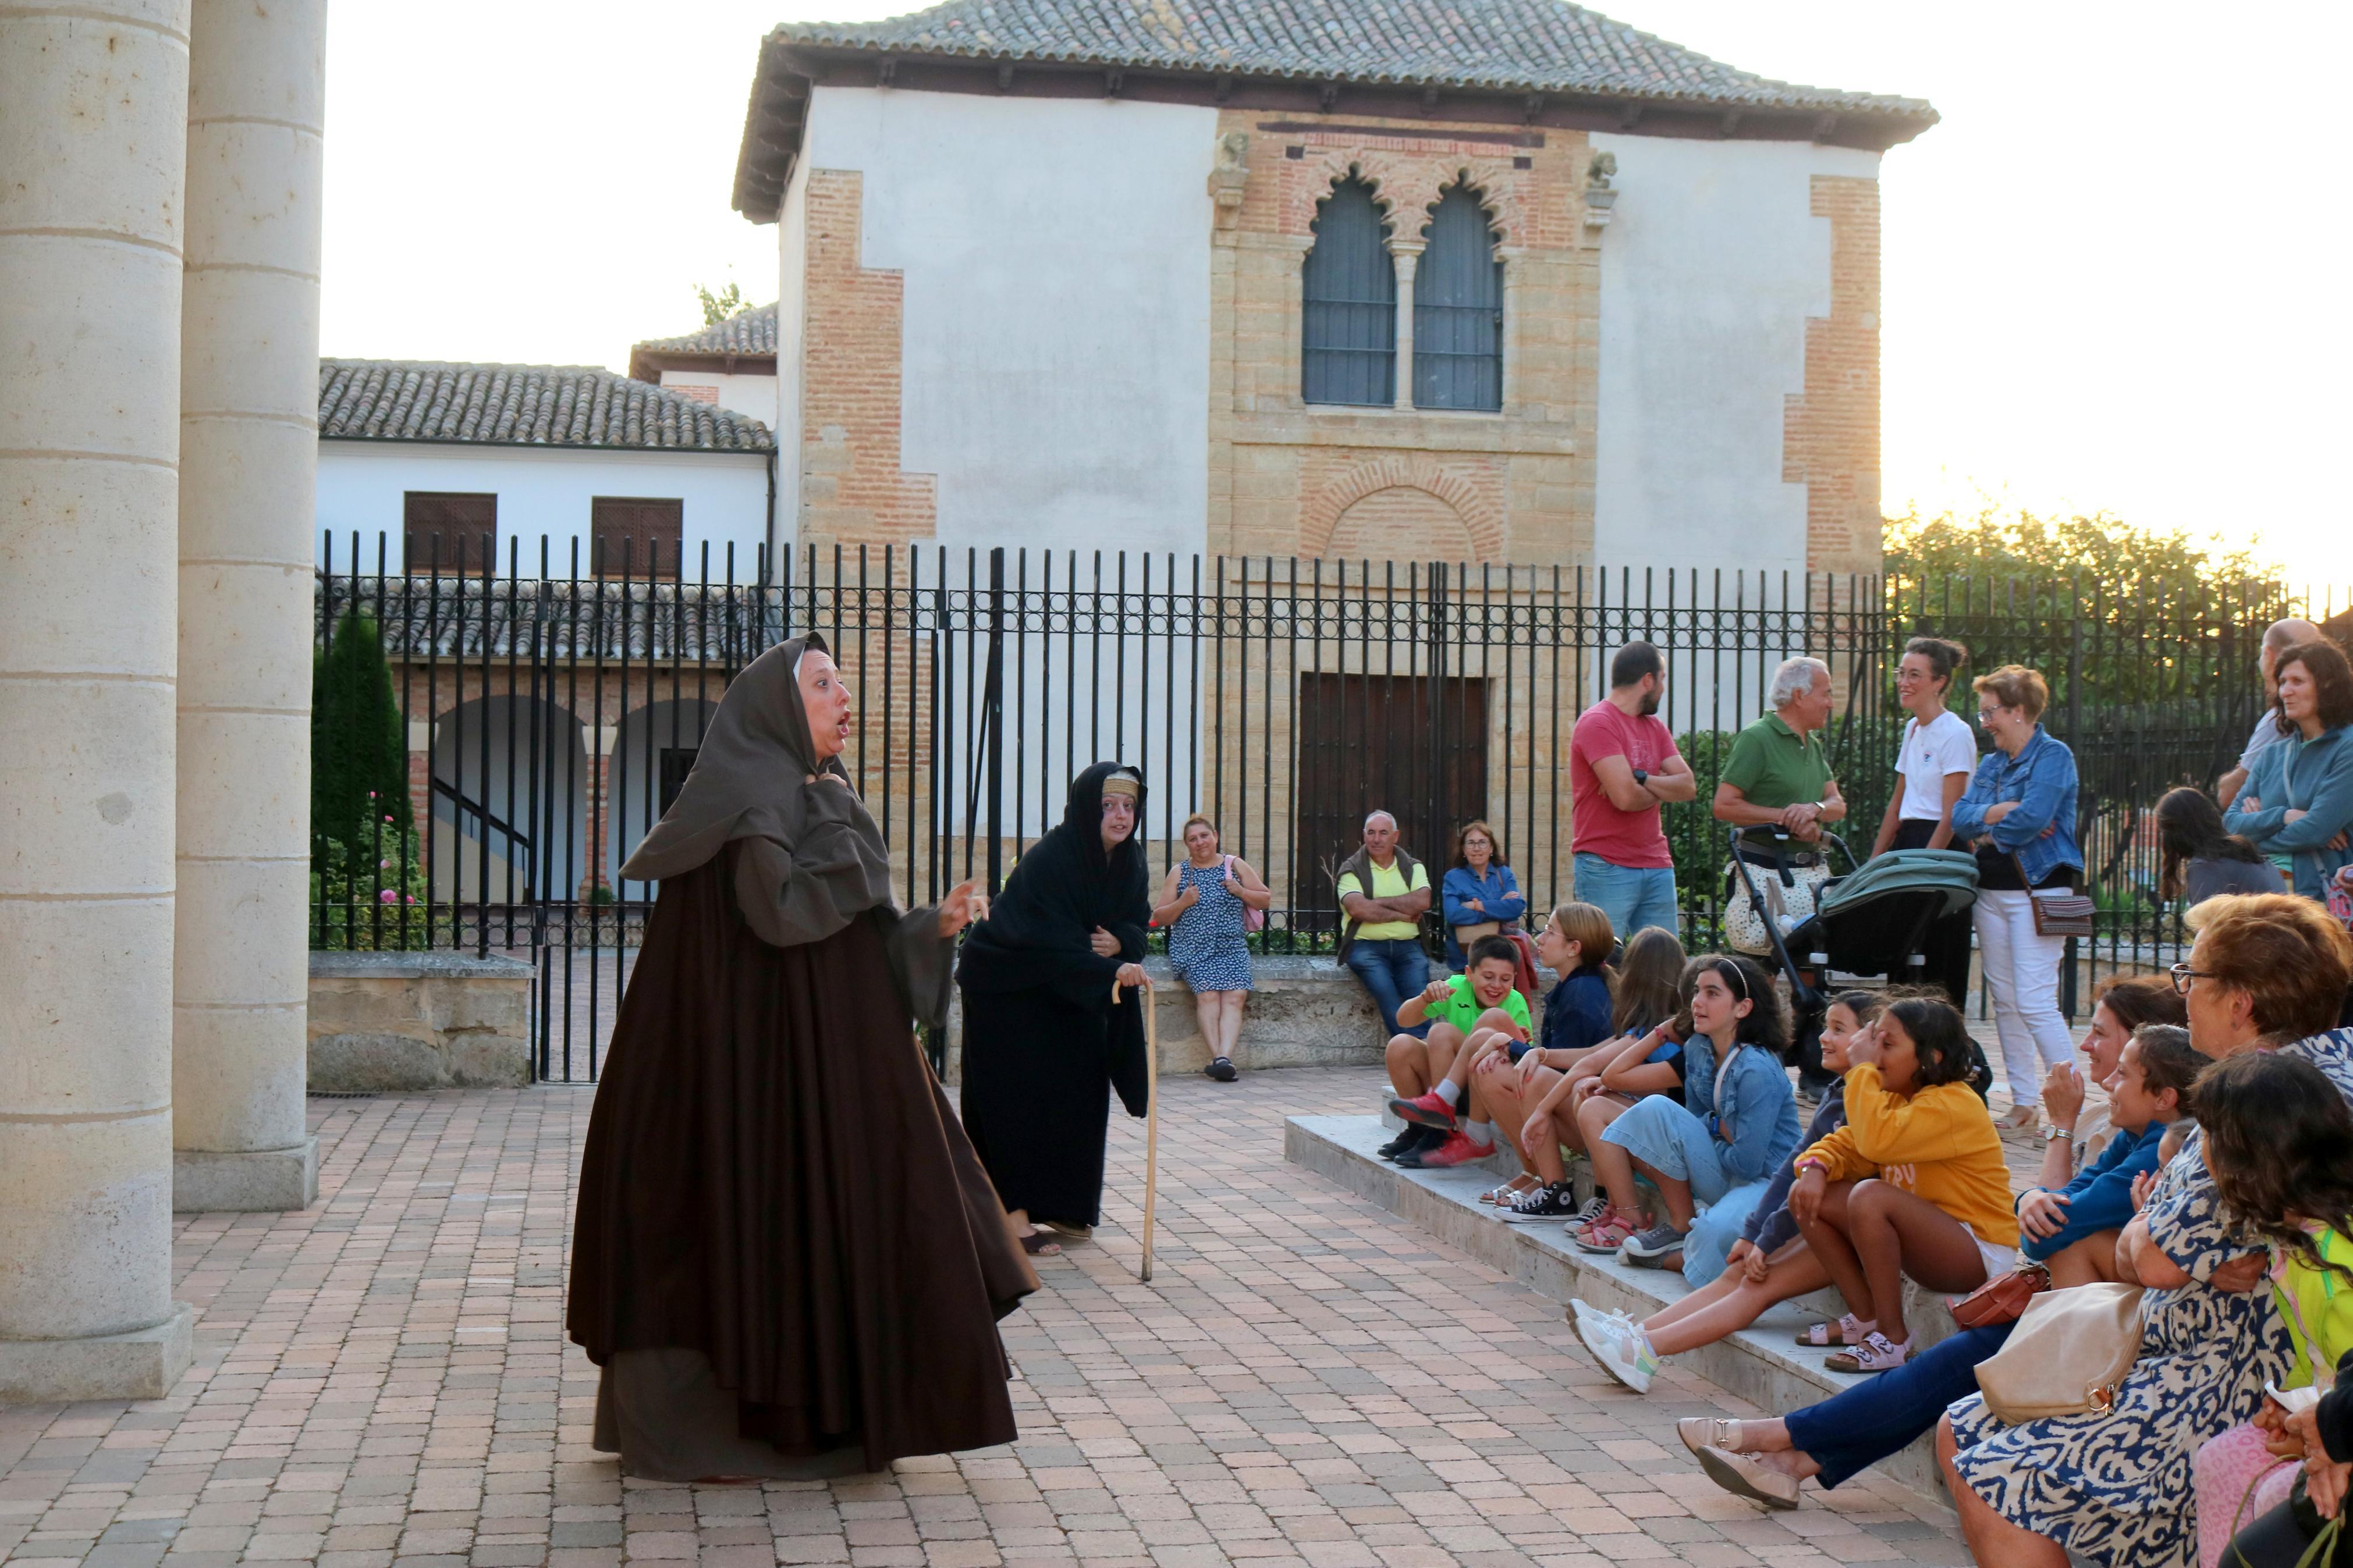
pixel 1762 1364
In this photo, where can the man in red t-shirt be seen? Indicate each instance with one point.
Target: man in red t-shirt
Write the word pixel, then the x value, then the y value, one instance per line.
pixel 1622 766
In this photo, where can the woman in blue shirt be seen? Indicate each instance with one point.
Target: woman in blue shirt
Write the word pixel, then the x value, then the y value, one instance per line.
pixel 1479 891
pixel 2020 811
pixel 2298 800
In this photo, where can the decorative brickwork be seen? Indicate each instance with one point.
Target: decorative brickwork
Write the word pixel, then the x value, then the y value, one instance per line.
pixel 851 485
pixel 1287 477
pixel 1831 432
pixel 1401 506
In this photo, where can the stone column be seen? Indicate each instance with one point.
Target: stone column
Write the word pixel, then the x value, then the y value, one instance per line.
pixel 1407 255
pixel 249 471
pixel 93 131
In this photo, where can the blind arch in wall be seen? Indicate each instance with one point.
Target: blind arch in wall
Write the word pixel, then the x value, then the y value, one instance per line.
pixel 1458 308
pixel 1348 295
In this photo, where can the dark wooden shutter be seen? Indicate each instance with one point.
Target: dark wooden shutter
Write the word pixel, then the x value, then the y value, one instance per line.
pixel 452 533
pixel 1348 289
pixel 1457 310
pixel 638 536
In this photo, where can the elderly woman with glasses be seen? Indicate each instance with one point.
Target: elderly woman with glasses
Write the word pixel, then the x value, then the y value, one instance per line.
pixel 2268 974
pixel 2020 812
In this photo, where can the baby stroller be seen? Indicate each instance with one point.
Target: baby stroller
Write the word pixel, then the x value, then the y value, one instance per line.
pixel 1871 920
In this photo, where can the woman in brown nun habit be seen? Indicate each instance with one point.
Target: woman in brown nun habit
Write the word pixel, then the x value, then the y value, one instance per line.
pixel 786 1259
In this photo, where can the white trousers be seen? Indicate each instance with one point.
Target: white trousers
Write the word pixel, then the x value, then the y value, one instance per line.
pixel 2022 970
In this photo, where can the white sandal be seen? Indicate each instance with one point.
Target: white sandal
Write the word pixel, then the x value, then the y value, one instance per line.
pixel 1523 1183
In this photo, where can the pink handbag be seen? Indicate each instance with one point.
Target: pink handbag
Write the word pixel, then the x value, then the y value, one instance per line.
pixel 1252 920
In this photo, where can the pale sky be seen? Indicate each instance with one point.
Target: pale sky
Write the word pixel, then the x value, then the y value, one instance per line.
pixel 2115 276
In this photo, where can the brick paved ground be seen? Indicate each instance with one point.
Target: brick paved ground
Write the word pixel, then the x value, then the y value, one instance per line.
pixel 383 1378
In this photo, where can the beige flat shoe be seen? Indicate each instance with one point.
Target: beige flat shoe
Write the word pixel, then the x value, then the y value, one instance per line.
pixel 1709 1432
pixel 1744 1476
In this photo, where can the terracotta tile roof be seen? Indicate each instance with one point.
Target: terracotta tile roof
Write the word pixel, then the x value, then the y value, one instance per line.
pixel 748 332
pixel 1531 46
pixel 520 406
pixel 1568 66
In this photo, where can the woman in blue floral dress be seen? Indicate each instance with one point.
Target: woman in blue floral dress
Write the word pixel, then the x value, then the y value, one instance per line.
pixel 2268 972
pixel 1202 904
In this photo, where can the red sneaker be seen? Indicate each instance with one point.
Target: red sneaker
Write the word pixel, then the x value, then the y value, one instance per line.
pixel 1458 1150
pixel 1425 1111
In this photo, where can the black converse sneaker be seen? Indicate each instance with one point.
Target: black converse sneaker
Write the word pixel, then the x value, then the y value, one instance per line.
pixel 1548 1205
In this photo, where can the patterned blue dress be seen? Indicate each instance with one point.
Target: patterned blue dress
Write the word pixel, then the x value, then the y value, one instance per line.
pixel 2115 1489
pixel 1206 945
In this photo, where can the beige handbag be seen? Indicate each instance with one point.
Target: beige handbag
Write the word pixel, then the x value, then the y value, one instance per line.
pixel 1465 935
pixel 2070 1351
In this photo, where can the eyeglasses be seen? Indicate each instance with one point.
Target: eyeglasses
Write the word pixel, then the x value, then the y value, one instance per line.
pixel 1985 714
pixel 2183 975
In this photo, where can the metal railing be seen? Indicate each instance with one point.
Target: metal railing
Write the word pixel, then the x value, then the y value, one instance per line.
pixel 545 704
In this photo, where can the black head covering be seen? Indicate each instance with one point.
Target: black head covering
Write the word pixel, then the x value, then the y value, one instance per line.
pixel 756 776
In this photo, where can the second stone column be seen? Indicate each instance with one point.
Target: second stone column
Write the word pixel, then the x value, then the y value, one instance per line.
pixel 249 470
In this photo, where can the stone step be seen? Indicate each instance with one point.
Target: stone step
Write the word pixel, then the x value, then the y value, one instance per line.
pixel 1761 1364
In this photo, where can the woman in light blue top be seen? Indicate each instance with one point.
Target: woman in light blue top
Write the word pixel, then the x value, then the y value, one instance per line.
pixel 1480 889
pixel 2020 813
pixel 2298 800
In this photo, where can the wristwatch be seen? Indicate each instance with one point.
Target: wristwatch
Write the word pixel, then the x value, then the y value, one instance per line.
pixel 1641 777
pixel 2053 1135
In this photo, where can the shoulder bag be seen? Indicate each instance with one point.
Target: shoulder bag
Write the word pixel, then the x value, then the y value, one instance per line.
pixel 2001 1298
pixel 1252 919
pixel 2066 1357
pixel 2055 914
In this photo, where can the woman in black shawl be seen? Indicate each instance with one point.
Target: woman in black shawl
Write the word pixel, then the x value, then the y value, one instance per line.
pixel 787 1260
pixel 1043 1041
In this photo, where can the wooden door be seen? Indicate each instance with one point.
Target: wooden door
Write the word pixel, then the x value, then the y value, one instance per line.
pixel 1414 746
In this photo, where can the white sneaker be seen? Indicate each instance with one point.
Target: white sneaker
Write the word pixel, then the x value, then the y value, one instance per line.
pixel 1623 1351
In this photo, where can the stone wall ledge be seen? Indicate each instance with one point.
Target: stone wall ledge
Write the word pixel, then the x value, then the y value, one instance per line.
pixel 394 1023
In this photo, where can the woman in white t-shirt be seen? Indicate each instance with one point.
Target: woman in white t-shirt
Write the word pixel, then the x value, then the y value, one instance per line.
pixel 1938 753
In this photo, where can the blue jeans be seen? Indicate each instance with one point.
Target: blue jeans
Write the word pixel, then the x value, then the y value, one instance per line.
pixel 1392 971
pixel 1714 1230
pixel 1632 897
pixel 1878 1416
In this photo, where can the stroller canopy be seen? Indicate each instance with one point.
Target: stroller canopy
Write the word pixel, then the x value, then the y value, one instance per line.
pixel 1905 871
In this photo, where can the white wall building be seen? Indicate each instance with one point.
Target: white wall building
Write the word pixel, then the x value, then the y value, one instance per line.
pixel 1070 291
pixel 415 452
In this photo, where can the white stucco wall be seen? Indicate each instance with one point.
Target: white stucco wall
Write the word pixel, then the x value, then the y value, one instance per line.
pixel 752 395
pixel 543 491
pixel 1056 342
pixel 1710 266
pixel 792 291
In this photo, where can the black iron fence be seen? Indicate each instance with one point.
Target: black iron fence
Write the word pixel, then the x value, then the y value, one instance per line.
pixel 550 711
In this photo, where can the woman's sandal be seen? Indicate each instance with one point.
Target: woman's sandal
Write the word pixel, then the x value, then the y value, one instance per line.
pixel 1876 1353
pixel 1847 1330
pixel 1523 1183
pixel 1037 1244
pixel 1222 1068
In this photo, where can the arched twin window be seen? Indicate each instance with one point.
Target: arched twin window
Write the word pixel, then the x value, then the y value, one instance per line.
pixel 1349 286
pixel 1348 290
pixel 1458 308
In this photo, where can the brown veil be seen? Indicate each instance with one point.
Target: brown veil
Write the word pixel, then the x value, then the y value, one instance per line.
pixel 755 777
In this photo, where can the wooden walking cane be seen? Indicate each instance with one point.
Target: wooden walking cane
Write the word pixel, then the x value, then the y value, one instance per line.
pixel 1151 1114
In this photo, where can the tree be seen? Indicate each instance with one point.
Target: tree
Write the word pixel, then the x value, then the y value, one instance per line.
pixel 359 749
pixel 717 307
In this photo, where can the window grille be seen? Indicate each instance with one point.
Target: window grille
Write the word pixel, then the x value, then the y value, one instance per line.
pixel 1349 290
pixel 1457 310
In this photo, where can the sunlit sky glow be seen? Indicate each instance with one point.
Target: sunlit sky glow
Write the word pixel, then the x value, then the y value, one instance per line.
pixel 2115 276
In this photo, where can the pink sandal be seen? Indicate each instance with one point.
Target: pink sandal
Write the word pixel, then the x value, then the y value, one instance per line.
pixel 1607 1233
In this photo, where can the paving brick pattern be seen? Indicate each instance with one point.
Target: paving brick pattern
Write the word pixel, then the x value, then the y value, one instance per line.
pixel 383 1380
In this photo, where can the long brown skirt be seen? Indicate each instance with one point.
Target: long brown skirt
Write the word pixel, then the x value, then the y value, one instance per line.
pixel 773 1181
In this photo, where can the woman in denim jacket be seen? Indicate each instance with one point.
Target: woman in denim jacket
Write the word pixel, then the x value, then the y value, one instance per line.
pixel 1480 888
pixel 2298 800
pixel 2020 811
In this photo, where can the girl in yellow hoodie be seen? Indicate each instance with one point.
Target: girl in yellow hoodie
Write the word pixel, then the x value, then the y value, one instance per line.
pixel 1913 1183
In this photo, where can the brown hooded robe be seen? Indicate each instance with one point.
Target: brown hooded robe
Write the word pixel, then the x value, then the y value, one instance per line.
pixel 786 1259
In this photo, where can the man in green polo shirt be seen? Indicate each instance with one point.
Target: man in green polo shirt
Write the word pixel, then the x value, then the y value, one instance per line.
pixel 1777 775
